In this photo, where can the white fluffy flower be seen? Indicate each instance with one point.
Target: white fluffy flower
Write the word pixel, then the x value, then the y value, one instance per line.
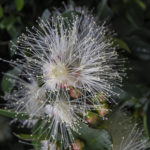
pixel 61 118
pixel 77 53
pixel 61 112
pixel 26 98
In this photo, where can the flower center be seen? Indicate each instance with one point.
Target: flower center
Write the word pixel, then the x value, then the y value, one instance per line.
pixel 58 72
pixel 57 75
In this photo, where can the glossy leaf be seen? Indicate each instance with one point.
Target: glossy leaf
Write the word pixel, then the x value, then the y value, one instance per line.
pixel 13 114
pixel 141 4
pixel 8 83
pixel 7 22
pixel 19 4
pixel 95 139
pixel 38 131
pixel 31 138
pixel 28 137
pixel 121 44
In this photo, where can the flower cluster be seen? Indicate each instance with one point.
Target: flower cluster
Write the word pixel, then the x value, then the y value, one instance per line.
pixel 68 68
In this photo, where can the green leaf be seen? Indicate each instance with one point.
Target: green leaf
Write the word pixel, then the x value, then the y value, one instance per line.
pixel 103 10
pixel 19 4
pixel 12 31
pixel 38 131
pixel 28 137
pixel 1 12
pixel 8 83
pixel 7 22
pixel 141 4
pixel 13 114
pixel 95 139
pixel 147 120
pixel 36 144
pixel 101 7
pixel 121 44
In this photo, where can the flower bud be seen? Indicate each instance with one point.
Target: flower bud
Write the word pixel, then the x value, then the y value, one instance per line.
pixel 92 118
pixel 103 110
pixel 75 93
pixel 78 145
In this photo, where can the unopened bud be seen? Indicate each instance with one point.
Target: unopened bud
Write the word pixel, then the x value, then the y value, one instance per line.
pixel 78 145
pixel 91 118
pixel 75 93
pixel 103 110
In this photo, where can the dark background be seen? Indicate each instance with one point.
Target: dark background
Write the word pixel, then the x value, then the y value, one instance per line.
pixel 129 18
